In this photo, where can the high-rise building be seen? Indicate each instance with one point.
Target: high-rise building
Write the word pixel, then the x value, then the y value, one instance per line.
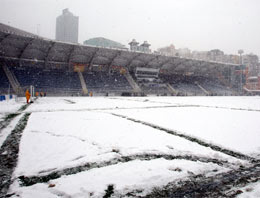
pixel 67 26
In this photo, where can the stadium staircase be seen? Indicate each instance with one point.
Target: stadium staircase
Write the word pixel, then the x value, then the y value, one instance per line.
pixel 83 83
pixel 13 81
pixel 133 84
pixel 171 89
pixel 204 90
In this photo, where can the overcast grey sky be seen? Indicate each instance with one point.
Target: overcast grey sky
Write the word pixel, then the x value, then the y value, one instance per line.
pixel 228 25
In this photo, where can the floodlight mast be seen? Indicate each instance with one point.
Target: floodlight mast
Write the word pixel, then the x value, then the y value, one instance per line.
pixel 240 52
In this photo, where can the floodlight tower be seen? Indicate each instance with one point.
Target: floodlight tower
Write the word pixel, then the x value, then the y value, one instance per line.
pixel 240 52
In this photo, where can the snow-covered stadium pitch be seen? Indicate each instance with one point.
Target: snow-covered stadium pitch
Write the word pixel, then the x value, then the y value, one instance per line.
pixel 131 147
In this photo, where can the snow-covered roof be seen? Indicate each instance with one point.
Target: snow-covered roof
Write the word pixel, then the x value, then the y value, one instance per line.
pixel 19 45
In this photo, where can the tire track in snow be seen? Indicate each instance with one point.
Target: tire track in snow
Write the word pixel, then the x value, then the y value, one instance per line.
pixel 189 105
pixel 69 101
pixel 70 136
pixel 220 185
pixel 136 100
pixel 190 138
pixel 29 181
pixel 62 136
pixel 145 107
pixel 9 117
pixel 9 154
pixel 230 108
pixel 8 129
pixel 107 108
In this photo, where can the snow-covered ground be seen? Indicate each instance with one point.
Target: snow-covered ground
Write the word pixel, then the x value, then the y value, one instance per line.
pixel 252 190
pixel 10 106
pixel 127 140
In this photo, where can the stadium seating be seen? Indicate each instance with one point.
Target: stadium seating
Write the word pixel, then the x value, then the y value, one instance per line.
pixel 65 82
pixel 3 79
pixel 196 85
pixel 54 81
pixel 4 83
pixel 216 88
pixel 188 89
pixel 154 88
pixel 104 82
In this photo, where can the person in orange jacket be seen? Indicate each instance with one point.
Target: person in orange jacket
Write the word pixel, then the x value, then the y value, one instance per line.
pixel 27 95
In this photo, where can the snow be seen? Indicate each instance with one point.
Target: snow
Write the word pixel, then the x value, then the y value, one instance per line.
pixel 92 136
pixel 10 106
pixel 142 175
pixel 67 132
pixel 85 103
pixel 251 190
pixel 238 102
pixel 233 129
pixel 6 131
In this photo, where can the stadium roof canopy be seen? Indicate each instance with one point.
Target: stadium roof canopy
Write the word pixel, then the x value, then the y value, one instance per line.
pixel 28 48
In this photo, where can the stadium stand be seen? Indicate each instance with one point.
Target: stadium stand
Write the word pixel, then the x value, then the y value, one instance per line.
pixel 188 89
pixel 103 82
pixel 154 89
pixel 216 88
pixel 4 85
pixel 54 81
pixel 50 67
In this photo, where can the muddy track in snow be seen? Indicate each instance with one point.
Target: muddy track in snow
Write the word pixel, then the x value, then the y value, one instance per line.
pixel 139 108
pixel 69 101
pixel 9 117
pixel 187 105
pixel 195 186
pixel 220 185
pixel 9 154
pixel 28 181
pixel 192 139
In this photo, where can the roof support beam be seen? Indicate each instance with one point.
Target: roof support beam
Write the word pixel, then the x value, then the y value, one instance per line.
pixel 1 52
pixel 48 53
pixel 40 61
pixel 151 60
pixel 71 53
pixel 26 46
pixel 181 63
pixel 131 60
pixel 92 58
pixel 4 38
pixel 177 65
pixel 165 62
pixel 118 53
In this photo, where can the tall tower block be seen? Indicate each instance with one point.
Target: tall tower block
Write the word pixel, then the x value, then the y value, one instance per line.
pixel 67 26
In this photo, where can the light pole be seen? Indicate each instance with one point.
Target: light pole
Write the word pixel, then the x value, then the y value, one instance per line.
pixel 38 29
pixel 240 52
